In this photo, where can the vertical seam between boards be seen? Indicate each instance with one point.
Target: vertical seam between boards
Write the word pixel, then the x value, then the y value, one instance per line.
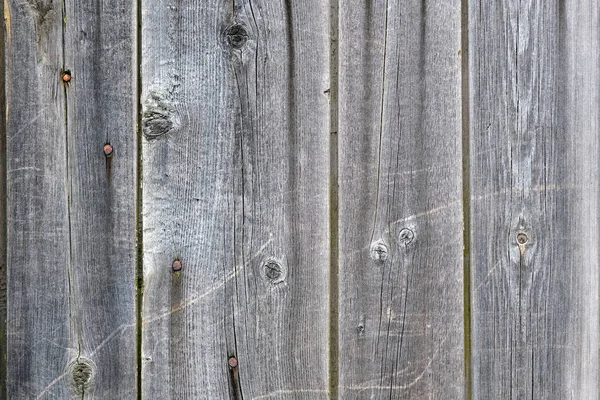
pixel 333 201
pixel 466 189
pixel 74 316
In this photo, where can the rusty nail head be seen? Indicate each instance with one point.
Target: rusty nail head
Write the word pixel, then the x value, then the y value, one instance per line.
pixel 176 265
pixel 66 77
pixel 232 362
pixel 108 149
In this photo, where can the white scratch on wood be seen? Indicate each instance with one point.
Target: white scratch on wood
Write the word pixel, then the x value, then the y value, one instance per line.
pixel 361 387
pixel 289 391
pixel 51 384
pixel 194 299
pixel 32 120
pixel 24 169
pixel 120 329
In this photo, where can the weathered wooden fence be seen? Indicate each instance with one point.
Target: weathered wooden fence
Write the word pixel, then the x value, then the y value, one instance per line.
pixel 300 199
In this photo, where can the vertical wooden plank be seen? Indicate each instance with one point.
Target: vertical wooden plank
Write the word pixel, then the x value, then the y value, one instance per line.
pixel 235 184
pixel 534 173
pixel 400 200
pixel 40 340
pixel 3 286
pixel 100 51
pixel 71 211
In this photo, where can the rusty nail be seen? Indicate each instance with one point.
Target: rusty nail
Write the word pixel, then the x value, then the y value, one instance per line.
pixel 176 265
pixel 232 362
pixel 66 76
pixel 108 149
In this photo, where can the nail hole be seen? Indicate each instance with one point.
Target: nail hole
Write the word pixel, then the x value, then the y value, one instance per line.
pixel 522 238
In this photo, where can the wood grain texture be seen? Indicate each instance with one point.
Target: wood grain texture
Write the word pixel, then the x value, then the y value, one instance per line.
pixel 400 200
pixel 235 186
pixel 100 51
pixel 3 285
pixel 40 338
pixel 71 226
pixel 534 171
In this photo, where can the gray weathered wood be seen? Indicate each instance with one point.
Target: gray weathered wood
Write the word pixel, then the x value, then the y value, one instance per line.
pixel 535 84
pixel 235 184
pixel 71 211
pixel 39 339
pixel 3 288
pixel 400 200
pixel 100 49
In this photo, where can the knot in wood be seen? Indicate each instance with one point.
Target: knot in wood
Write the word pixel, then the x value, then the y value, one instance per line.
pixel 80 375
pixel 274 271
pixel 159 116
pixel 237 36
pixel 406 236
pixel 379 251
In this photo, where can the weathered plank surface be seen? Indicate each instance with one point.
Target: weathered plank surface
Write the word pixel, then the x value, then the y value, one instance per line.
pixel 100 49
pixel 534 174
pixel 3 288
pixel 400 200
pixel 235 179
pixel 71 212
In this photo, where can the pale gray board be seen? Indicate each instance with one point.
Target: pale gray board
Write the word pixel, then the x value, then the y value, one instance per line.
pixel 235 173
pixel 3 288
pixel 534 72
pixel 401 320
pixel 71 226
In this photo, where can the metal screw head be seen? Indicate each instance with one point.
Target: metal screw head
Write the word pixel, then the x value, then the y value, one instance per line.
pixel 108 149
pixel 176 265
pixel 406 236
pixel 232 362
pixel 522 238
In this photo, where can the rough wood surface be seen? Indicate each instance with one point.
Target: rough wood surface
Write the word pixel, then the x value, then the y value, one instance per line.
pixel 400 200
pixel 100 51
pixel 534 171
pixel 3 283
pixel 273 133
pixel 71 211
pixel 235 180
